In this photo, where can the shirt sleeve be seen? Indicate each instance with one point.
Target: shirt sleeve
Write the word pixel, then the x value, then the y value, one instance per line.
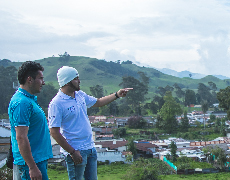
pixel 54 116
pixel 21 113
pixel 89 100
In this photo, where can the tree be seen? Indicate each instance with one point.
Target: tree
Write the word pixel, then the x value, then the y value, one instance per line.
pixel 46 95
pixel 223 127
pixel 212 85
pixel 136 122
pixel 204 107
pixel 137 95
pixel 124 109
pixel 119 132
pixel 113 108
pixel 184 123
pixel 132 147
pixel 217 125
pixel 144 78
pixel 212 118
pixel 204 93
pixel 190 97
pixel 147 169
pixel 64 57
pixel 223 97
pixel 169 111
pixel 97 91
pixel 173 151
pixel 8 77
pixel 179 92
pixel 127 62
pixel 219 155
pixel 104 110
pixel 161 91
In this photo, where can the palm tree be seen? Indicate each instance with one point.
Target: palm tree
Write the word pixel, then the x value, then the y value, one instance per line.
pixel 204 106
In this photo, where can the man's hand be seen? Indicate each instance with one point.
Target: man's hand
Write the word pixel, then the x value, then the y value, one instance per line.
pixel 123 92
pixel 77 158
pixel 35 173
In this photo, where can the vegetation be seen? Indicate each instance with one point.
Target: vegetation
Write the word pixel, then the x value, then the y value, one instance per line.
pixel 222 175
pixel 150 169
pixel 188 163
pixel 155 94
pixel 6 173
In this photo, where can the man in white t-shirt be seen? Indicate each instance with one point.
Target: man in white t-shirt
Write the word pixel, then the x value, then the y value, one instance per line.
pixel 69 124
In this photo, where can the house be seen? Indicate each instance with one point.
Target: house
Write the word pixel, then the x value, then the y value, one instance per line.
pixel 111 150
pixel 4 149
pixel 145 148
pixel 121 121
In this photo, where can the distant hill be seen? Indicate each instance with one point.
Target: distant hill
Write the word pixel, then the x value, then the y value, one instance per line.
pixel 188 73
pixel 109 74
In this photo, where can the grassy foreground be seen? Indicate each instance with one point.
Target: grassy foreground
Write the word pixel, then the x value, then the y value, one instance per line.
pixel 116 172
pixel 105 172
pixel 214 176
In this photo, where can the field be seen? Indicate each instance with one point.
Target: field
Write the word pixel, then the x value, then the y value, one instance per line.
pixel 105 172
pixel 116 172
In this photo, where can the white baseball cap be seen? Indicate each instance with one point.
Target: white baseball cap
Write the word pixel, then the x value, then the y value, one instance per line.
pixel 66 74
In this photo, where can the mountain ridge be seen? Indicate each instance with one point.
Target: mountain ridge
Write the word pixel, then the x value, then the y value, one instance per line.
pixel 109 74
pixel 186 73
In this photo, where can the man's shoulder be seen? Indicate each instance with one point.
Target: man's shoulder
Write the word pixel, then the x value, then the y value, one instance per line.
pixel 17 98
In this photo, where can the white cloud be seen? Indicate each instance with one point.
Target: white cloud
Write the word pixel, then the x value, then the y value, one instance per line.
pixel 179 34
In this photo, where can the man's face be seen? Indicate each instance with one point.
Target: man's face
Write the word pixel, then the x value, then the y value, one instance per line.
pixel 37 83
pixel 75 84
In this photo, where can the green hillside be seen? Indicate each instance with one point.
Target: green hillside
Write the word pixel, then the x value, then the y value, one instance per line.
pixel 109 74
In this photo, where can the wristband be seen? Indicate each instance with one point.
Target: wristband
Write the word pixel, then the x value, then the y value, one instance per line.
pixel 72 152
pixel 116 95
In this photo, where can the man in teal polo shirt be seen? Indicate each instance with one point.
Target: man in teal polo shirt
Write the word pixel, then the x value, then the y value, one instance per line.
pixel 31 144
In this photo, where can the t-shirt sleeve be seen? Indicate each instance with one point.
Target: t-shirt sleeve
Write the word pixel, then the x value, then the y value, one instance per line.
pixel 54 116
pixel 89 100
pixel 21 113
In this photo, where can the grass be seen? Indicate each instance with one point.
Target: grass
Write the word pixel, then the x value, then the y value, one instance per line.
pixel 105 172
pixel 216 176
pixel 116 172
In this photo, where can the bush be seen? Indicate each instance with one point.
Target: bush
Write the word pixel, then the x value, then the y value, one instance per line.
pixel 106 161
pixel 100 163
pixel 117 162
pixel 6 173
pixel 144 169
pixel 60 168
pixel 51 166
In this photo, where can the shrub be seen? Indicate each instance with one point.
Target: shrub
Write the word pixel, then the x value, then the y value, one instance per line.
pixel 100 163
pixel 60 168
pixel 106 161
pixel 51 166
pixel 144 169
pixel 6 173
pixel 117 162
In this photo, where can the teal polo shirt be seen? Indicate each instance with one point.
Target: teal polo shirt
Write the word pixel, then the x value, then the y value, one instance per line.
pixel 24 110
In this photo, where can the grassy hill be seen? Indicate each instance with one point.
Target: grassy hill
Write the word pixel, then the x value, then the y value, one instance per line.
pixel 109 74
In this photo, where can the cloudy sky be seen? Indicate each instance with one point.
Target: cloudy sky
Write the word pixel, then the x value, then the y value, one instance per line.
pixel 191 35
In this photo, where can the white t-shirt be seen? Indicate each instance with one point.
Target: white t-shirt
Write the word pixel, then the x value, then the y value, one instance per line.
pixel 70 114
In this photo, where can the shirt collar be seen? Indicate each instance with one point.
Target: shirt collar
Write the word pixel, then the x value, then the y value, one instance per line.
pixel 26 93
pixel 64 96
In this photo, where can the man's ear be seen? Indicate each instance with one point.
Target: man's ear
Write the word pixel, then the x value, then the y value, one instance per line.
pixel 29 79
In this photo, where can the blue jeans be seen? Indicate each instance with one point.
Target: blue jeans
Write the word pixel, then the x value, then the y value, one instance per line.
pixel 21 172
pixel 87 170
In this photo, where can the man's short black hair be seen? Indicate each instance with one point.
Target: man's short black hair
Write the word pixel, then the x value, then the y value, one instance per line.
pixel 28 68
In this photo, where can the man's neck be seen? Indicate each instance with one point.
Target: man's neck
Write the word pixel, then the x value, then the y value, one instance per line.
pixel 66 90
pixel 26 87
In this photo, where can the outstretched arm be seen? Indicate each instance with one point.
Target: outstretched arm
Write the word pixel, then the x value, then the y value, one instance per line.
pixel 108 99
